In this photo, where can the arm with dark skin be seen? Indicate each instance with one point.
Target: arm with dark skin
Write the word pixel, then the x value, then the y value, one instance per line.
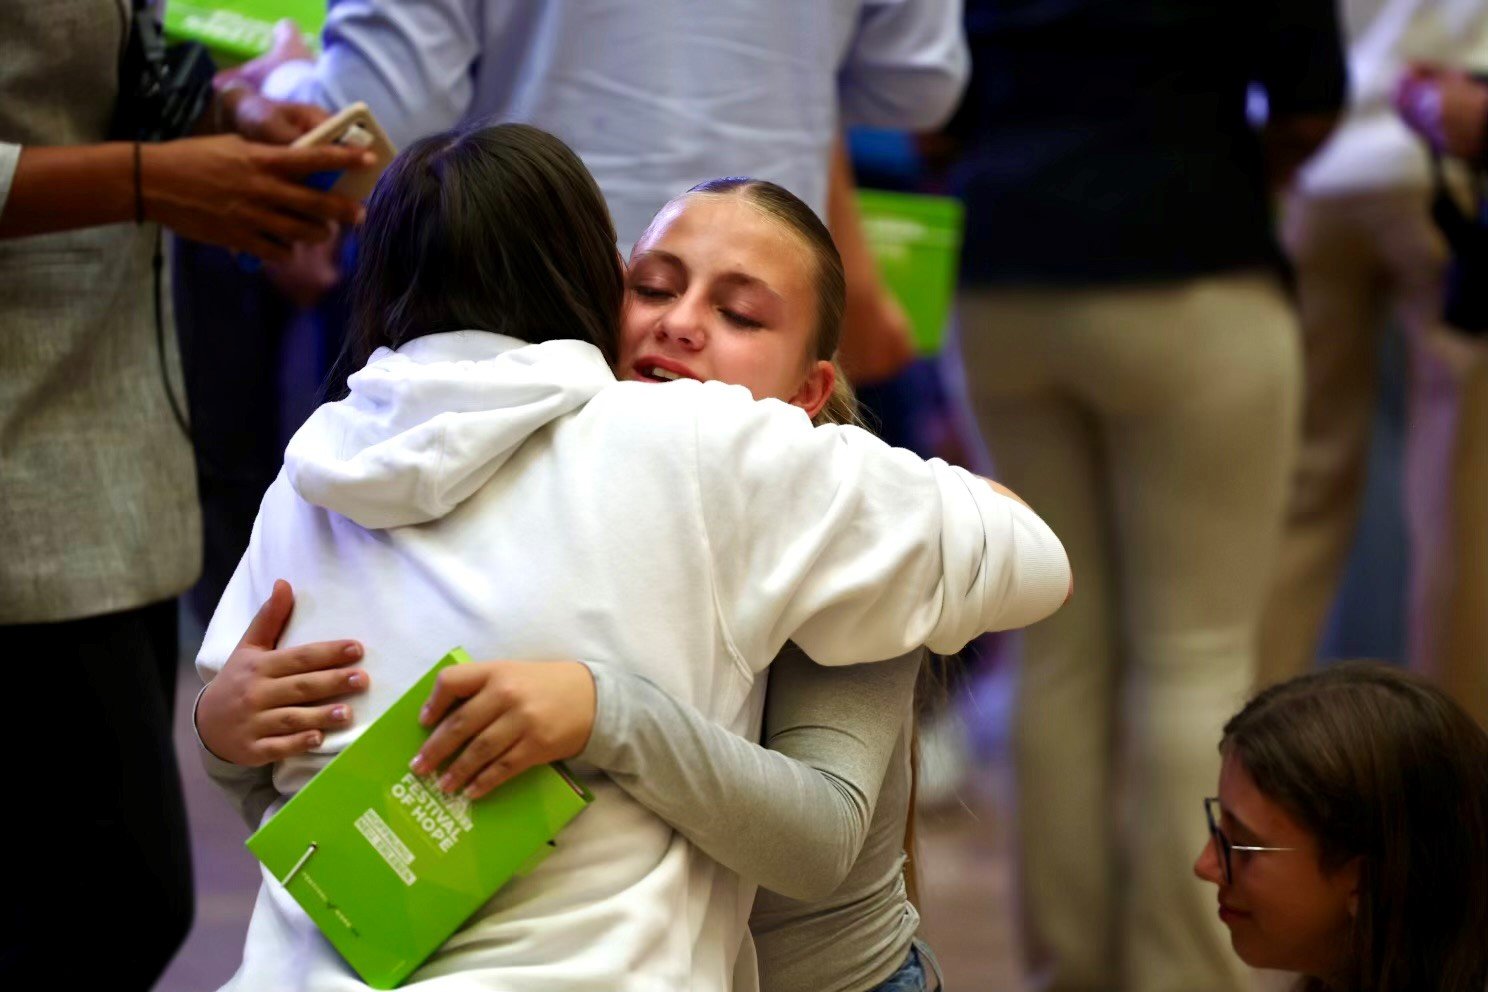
pixel 234 189
pixel 875 342
pixel 220 190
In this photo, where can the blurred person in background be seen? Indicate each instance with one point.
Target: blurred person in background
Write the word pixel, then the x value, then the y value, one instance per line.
pixel 654 98
pixel 1366 252
pixel 97 502
pixel 1132 359
pixel 1448 108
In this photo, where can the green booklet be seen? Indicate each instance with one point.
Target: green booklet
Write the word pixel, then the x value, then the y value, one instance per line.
pixel 387 865
pixel 916 241
pixel 235 31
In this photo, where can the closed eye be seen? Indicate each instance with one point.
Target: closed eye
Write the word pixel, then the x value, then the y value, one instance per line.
pixel 650 292
pixel 739 320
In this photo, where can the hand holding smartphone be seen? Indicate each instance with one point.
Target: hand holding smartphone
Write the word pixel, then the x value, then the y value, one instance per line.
pixel 355 127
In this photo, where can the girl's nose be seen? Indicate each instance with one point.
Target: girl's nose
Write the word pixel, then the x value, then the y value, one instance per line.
pixel 683 323
pixel 1207 866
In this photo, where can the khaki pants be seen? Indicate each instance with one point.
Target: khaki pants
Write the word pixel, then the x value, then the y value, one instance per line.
pixel 1153 428
pixel 1359 260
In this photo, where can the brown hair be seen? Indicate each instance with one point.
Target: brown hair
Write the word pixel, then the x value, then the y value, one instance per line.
pixel 496 228
pixel 1382 767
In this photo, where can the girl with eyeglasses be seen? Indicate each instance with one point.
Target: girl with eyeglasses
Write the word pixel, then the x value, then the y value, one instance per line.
pixel 1349 839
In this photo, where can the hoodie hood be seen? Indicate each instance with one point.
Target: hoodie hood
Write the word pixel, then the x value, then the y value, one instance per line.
pixel 428 425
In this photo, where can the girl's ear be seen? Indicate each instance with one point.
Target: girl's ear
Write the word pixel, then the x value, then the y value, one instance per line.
pixel 1351 875
pixel 816 389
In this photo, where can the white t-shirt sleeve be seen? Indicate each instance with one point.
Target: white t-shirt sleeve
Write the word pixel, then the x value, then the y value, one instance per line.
pixel 906 66
pixel 855 550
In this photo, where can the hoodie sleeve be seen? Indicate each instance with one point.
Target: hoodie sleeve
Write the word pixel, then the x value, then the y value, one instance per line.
pixel 855 550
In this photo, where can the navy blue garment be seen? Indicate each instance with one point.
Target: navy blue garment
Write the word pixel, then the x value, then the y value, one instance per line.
pixel 1109 140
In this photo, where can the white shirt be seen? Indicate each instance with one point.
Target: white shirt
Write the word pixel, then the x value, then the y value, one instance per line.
pixel 654 96
pixel 1372 149
pixel 517 501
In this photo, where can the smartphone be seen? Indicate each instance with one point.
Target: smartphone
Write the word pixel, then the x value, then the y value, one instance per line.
pixel 353 127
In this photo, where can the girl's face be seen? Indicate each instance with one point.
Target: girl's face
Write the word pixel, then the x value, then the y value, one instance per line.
pixel 718 289
pixel 1283 910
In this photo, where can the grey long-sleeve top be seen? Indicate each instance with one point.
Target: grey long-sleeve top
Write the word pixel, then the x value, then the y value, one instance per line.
pixel 817 819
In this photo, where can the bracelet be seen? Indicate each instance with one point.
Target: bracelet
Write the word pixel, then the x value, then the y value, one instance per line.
pixel 139 190
pixel 196 730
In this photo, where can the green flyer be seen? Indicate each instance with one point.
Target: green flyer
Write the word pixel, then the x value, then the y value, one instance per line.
pixel 387 865
pixel 916 241
pixel 235 31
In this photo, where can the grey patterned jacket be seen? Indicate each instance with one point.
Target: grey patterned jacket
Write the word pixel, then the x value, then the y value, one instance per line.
pixel 98 509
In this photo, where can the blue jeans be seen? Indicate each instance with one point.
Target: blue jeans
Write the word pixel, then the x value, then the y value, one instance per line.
pixel 909 978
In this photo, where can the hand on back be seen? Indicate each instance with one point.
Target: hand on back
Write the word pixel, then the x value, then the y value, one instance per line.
pixel 492 720
pixel 269 703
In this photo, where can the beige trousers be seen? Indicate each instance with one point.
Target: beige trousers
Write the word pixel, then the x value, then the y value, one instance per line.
pixel 1153 428
pixel 1361 260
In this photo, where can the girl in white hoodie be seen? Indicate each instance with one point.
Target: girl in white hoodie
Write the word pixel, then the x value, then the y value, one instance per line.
pixel 517 499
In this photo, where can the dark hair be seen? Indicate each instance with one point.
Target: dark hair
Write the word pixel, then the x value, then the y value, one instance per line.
pixel 1383 767
pixel 496 228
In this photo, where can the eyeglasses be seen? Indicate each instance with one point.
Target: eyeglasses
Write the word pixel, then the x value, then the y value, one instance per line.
pixel 1211 812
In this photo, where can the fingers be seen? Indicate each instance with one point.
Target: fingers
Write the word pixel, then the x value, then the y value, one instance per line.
pixel 489 751
pixel 453 685
pixel 285 227
pixel 462 723
pixel 311 689
pixel 296 163
pixel 268 623
pixel 517 759
pixel 316 656
pixel 296 721
pixel 274 749
pixel 305 116
pixel 274 121
pixel 296 198
pixel 286 32
pixel 289 42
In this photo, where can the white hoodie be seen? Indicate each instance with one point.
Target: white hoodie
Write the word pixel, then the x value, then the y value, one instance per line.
pixel 517 501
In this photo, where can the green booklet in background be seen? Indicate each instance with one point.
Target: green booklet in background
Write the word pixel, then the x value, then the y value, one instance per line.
pixel 916 241
pixel 235 31
pixel 388 866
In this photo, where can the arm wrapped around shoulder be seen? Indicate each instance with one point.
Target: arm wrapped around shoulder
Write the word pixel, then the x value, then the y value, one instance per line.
pixel 855 550
pixel 1019 575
